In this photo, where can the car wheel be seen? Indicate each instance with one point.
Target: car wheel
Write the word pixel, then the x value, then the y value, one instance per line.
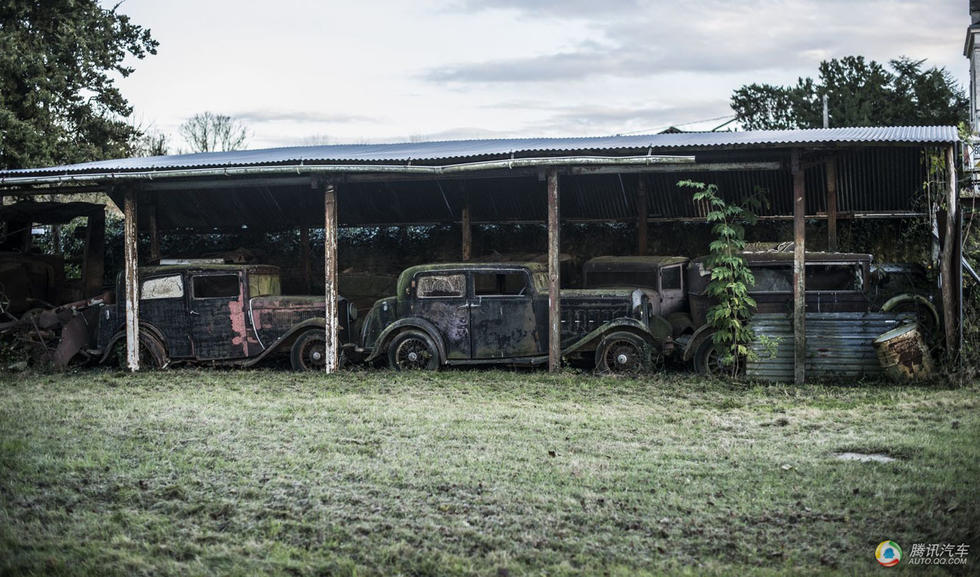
pixel 413 350
pixel 152 353
pixel 623 354
pixel 309 352
pixel 926 316
pixel 709 360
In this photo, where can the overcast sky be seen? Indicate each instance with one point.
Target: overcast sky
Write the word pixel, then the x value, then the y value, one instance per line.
pixel 311 72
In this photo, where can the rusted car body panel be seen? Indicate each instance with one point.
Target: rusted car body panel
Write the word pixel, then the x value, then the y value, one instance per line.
pixel 495 313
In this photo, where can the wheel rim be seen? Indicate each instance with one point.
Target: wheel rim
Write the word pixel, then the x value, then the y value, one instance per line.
pixel 313 353
pixel 412 353
pixel 623 357
pixel 715 365
pixel 713 361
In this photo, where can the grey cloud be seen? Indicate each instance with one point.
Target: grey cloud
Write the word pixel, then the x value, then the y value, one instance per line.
pixel 714 37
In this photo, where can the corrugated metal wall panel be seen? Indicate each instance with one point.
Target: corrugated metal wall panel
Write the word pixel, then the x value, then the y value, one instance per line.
pixel 838 345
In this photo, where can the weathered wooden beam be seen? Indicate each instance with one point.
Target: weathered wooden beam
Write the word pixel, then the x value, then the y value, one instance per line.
pixel 467 226
pixel 799 269
pixel 304 245
pixel 831 177
pixel 154 233
pixel 330 276
pixel 950 268
pixel 641 216
pixel 131 281
pixel 94 264
pixel 554 274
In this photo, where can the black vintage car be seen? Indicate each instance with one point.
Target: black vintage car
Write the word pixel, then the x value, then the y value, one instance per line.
pixel 217 313
pixel 835 282
pixel 458 314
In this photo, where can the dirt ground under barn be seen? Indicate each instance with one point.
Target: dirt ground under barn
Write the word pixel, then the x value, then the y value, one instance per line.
pixel 192 472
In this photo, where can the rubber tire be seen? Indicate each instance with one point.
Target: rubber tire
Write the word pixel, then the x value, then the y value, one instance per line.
pixel 926 318
pixel 418 342
pixel 305 350
pixel 637 351
pixel 707 361
pixel 153 354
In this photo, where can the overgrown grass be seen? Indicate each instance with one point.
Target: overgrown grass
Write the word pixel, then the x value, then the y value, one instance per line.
pixel 188 472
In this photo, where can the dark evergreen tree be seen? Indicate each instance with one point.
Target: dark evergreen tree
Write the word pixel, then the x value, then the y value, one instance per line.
pixel 58 99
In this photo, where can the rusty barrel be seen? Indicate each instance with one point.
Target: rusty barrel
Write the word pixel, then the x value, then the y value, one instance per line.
pixel 903 353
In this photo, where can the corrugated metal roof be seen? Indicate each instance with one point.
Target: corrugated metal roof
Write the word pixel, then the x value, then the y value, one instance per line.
pixel 449 152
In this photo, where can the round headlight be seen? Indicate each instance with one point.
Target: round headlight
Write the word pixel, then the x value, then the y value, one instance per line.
pixel 352 311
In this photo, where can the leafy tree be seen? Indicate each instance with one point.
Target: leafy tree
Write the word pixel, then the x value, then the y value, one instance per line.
pixel 860 93
pixel 210 132
pixel 58 99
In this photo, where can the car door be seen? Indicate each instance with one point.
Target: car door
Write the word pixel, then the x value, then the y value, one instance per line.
pixel 440 298
pixel 217 311
pixel 672 298
pixel 163 305
pixel 502 319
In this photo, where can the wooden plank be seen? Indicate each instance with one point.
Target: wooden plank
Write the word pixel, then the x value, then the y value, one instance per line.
pixel 949 267
pixel 94 254
pixel 154 234
pixel 131 280
pixel 304 245
pixel 799 277
pixel 641 216
pixel 554 274
pixel 332 351
pixel 467 226
pixel 831 204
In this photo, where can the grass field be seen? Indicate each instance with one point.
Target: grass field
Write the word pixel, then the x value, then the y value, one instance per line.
pixel 188 472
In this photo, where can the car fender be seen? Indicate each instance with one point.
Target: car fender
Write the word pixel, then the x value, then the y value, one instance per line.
pixel 626 323
pixel 287 339
pixel 911 297
pixel 408 323
pixel 121 334
pixel 703 333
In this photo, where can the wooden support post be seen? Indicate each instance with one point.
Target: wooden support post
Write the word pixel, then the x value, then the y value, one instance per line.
pixel 154 234
pixel 304 246
pixel 950 269
pixel 331 350
pixel 641 216
pixel 554 274
pixel 467 226
pixel 831 168
pixel 799 270
pixel 56 238
pixel 131 262
pixel 94 264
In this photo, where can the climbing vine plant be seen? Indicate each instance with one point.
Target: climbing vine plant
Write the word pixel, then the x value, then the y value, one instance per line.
pixel 731 278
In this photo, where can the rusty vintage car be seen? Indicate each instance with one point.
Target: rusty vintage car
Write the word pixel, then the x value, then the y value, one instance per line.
pixel 497 313
pixel 215 313
pixel 835 282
